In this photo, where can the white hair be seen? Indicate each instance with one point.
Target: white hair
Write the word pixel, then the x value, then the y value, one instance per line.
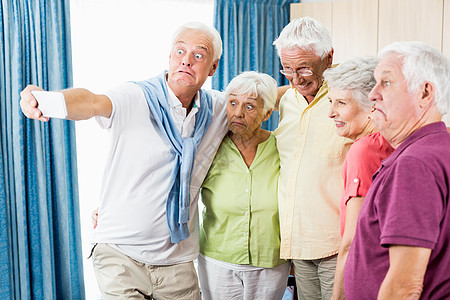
pixel 255 84
pixel 421 63
pixel 307 34
pixel 216 39
pixel 355 75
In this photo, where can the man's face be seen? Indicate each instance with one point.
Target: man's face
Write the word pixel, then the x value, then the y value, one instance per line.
pixel 191 59
pixel 296 59
pixel 396 110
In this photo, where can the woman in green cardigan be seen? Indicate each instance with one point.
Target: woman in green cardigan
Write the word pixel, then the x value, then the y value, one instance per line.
pixel 240 233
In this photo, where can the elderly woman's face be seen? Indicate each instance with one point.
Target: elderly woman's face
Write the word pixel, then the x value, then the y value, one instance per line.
pixel 245 114
pixel 349 118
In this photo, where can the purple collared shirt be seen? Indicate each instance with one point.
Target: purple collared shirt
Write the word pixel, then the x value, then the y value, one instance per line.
pixel 407 204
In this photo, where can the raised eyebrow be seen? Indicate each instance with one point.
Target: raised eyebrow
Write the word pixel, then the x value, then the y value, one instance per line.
pixel 180 42
pixel 250 98
pixel 383 77
pixel 197 47
pixel 202 48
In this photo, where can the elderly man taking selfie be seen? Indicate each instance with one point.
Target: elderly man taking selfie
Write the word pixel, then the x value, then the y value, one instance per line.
pixel 164 133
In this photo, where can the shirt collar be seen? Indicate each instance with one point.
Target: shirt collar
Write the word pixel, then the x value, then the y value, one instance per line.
pixel 323 90
pixel 174 102
pixel 433 128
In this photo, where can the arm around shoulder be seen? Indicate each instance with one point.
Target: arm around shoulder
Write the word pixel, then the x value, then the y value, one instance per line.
pixel 281 90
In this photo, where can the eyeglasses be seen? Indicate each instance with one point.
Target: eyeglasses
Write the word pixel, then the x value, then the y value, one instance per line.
pixel 300 72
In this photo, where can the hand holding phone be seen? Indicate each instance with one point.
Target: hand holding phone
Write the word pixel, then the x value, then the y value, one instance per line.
pixel 51 104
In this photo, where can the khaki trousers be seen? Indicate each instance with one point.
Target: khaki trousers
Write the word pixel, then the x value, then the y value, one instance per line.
pixel 315 278
pixel 121 277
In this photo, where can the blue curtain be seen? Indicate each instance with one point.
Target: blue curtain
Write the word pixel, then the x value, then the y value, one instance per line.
pixel 40 241
pixel 248 29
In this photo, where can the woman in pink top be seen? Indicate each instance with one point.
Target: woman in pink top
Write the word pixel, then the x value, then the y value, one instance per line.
pixel 349 85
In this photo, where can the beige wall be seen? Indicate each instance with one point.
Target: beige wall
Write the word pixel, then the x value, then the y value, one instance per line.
pixel 446 42
pixel 363 27
pixel 410 20
pixel 321 11
pixel 446 29
pixel 348 27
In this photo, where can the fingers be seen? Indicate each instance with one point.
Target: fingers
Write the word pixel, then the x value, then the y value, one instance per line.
pixel 28 104
pixel 95 217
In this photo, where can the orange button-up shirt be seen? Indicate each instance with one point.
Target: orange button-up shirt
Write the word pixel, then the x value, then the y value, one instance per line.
pixel 310 185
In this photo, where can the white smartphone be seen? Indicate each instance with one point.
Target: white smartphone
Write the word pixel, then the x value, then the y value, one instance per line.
pixel 51 104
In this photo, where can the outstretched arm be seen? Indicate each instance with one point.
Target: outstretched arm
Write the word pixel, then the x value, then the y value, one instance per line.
pixel 81 104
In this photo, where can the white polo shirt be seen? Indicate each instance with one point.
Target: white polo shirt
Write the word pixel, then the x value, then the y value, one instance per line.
pixel 132 211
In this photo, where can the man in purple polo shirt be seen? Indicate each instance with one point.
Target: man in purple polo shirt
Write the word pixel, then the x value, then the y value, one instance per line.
pixel 400 249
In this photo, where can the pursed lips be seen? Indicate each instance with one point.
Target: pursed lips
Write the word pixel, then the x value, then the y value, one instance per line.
pixel 237 123
pixel 374 109
pixel 184 71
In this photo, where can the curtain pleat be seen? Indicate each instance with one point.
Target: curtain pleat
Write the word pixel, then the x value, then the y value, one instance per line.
pixel 39 210
pixel 248 29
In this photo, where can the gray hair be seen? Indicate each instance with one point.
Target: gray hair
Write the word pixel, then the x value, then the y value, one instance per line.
pixel 420 63
pixel 216 39
pixel 256 84
pixel 355 75
pixel 305 33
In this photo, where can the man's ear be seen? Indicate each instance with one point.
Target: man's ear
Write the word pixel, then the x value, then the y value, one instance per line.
pixel 427 94
pixel 214 68
pixel 330 58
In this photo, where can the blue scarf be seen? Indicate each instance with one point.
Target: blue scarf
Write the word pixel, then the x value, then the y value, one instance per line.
pixel 178 200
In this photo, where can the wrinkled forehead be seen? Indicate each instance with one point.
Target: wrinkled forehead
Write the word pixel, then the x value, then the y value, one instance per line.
pixel 195 38
pixel 245 96
pixel 299 52
pixel 337 93
pixel 390 64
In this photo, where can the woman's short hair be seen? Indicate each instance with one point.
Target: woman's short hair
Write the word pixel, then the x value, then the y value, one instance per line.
pixel 255 84
pixel 421 63
pixel 355 75
pixel 307 34
pixel 216 39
